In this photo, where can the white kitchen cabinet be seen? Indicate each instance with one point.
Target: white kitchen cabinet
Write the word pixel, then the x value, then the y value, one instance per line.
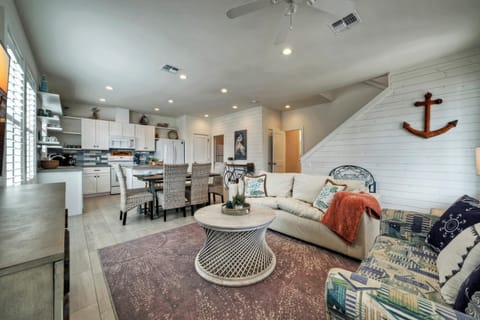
pixel 144 138
pixel 120 129
pixel 95 134
pixel 96 180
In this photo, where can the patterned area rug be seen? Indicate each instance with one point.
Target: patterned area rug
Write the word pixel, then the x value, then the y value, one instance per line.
pixel 154 278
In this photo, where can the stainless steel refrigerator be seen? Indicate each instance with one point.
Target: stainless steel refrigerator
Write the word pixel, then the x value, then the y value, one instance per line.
pixel 170 151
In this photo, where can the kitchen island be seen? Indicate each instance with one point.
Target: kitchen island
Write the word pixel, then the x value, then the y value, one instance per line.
pixel 72 177
pixel 33 247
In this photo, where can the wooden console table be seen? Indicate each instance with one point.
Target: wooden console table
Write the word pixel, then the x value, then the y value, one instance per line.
pixel 33 252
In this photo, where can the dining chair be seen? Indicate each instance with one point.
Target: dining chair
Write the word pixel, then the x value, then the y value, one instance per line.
pixel 173 194
pixel 216 189
pixel 197 192
pixel 130 199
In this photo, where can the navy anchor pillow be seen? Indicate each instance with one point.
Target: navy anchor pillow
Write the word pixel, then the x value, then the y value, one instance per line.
pixel 468 298
pixel 462 214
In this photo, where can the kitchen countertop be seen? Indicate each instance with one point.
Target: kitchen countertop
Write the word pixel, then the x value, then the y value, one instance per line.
pixel 60 169
pixel 146 167
pixel 32 221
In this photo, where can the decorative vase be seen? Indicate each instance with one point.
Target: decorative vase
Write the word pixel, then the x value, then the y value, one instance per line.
pixel 44 84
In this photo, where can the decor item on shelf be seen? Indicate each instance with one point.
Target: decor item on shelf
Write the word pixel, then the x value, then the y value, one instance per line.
pixel 41 113
pixel 48 113
pixel 172 134
pixel 162 125
pixel 95 112
pixel 240 146
pixel 44 84
pixel 144 119
pixel 426 133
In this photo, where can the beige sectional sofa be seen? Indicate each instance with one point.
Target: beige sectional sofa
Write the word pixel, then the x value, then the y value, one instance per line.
pixel 291 197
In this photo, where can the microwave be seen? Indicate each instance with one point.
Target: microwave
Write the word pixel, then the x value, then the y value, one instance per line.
pixel 122 142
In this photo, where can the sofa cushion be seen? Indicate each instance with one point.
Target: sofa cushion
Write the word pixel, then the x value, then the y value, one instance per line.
pixel 300 208
pixel 406 225
pixel 457 260
pixel 270 202
pixel 352 185
pixel 325 196
pixel 468 298
pixel 462 214
pixel 306 187
pixel 254 186
pixel 404 265
pixel 279 184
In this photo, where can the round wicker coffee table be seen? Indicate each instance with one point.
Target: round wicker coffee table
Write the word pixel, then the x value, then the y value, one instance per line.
pixel 235 252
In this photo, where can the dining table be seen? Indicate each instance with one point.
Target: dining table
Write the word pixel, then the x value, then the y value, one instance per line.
pixel 153 179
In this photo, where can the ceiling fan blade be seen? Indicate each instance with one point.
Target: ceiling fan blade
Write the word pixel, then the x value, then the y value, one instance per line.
pixel 338 8
pixel 248 8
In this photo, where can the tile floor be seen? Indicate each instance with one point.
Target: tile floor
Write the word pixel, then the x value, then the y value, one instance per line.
pixel 99 227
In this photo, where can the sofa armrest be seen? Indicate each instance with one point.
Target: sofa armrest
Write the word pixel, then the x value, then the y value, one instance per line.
pixel 406 225
pixel 352 296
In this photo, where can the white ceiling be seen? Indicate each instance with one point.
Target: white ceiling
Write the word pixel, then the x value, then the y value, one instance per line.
pixel 85 45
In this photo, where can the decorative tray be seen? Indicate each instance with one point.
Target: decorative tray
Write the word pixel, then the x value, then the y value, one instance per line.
pixel 236 212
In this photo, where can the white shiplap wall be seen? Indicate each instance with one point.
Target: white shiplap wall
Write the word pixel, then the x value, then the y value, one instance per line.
pixel 413 173
pixel 251 120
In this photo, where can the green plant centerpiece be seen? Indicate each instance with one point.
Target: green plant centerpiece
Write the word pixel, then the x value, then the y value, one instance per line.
pixel 237 206
pixel 238 201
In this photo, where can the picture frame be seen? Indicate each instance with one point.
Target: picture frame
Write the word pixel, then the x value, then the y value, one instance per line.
pixel 240 144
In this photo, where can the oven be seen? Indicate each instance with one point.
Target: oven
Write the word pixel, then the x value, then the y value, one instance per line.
pixel 125 159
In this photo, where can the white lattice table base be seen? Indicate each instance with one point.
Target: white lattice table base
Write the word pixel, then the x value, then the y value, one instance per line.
pixel 235 251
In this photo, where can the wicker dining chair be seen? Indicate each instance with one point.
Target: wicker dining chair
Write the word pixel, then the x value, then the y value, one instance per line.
pixel 173 194
pixel 216 189
pixel 197 192
pixel 130 199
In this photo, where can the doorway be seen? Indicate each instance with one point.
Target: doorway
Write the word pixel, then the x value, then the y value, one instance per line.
pixel 275 151
pixel 294 148
pixel 201 148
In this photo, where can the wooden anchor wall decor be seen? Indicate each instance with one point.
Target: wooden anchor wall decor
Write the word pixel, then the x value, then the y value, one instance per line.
pixel 426 133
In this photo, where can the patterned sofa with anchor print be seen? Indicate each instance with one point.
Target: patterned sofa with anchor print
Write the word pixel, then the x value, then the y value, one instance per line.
pixel 397 280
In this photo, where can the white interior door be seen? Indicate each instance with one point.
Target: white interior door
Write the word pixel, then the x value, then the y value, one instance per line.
pixel 201 148
pixel 278 151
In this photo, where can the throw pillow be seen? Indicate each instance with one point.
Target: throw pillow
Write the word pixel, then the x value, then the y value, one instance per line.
pixel 468 298
pixel 325 197
pixel 463 213
pixel 254 186
pixel 457 260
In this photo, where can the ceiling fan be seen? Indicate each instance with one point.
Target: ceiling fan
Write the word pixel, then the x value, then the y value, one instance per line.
pixel 337 8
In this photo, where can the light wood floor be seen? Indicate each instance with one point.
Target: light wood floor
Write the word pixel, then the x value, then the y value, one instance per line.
pixel 100 227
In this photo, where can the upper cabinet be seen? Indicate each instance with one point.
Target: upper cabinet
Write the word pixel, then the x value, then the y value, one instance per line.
pixel 120 129
pixel 95 134
pixel 144 138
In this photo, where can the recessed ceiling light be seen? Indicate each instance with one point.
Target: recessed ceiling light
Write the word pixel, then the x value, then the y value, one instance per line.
pixel 170 100
pixel 110 88
pixel 157 109
pixel 287 51
pixel 287 106
pixel 234 107
pixel 183 76
pixel 206 115
pixel 224 90
pixel 102 100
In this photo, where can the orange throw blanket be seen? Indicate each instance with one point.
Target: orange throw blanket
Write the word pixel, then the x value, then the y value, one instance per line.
pixel 344 213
